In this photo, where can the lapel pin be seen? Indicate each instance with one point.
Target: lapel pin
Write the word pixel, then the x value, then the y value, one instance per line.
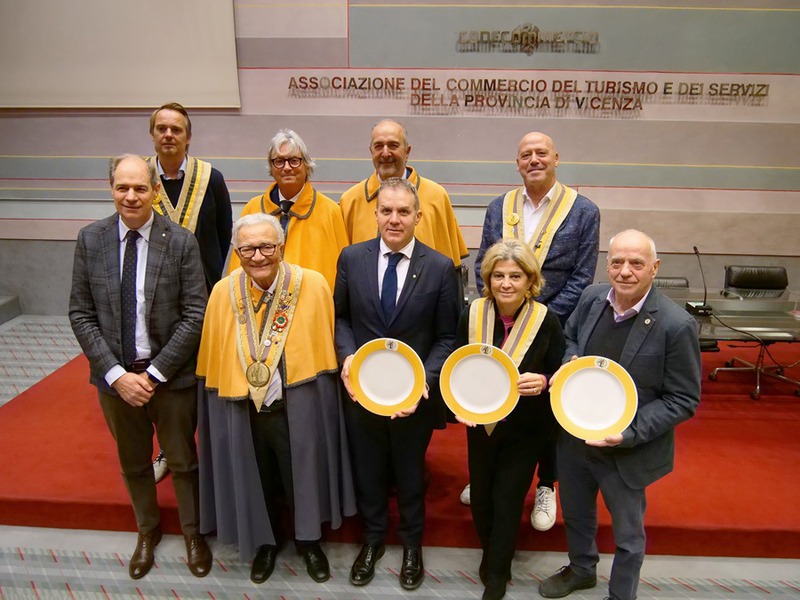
pixel 647 321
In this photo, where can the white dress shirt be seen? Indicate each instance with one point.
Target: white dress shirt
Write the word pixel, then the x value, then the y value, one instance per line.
pixel 402 265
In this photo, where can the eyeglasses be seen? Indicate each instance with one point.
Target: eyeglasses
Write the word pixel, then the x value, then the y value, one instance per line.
pixel 294 162
pixel 250 251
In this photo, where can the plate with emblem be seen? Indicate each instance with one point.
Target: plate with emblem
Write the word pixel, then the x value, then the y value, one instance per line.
pixel 387 376
pixel 593 397
pixel 479 383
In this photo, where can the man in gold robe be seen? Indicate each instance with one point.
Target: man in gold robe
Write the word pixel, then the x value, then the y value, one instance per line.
pixel 438 228
pixel 311 221
pixel 269 410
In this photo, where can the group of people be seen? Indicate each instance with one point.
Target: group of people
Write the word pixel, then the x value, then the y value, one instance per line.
pixel 258 362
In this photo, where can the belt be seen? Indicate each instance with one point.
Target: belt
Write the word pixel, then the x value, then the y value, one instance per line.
pixel 139 366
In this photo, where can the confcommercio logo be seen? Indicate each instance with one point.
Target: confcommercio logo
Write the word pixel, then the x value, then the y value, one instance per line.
pixel 528 39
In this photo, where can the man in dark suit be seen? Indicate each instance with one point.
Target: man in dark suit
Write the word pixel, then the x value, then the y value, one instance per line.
pixel 193 194
pixel 136 307
pixel 394 286
pixel 655 340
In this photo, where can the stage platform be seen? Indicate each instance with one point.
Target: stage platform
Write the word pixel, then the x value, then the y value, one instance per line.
pixel 733 493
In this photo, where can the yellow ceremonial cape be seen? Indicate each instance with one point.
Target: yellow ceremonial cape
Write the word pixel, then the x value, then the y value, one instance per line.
pixel 309 350
pixel 438 227
pixel 315 235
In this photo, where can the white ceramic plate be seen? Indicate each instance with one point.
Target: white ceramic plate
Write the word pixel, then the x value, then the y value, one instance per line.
pixel 479 383
pixel 593 397
pixel 387 376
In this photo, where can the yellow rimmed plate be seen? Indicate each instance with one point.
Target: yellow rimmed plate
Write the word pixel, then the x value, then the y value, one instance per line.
pixel 387 376
pixel 479 383
pixel 593 397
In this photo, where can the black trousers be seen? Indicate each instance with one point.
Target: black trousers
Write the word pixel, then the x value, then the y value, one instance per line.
pixel 381 448
pixel 501 468
pixel 270 432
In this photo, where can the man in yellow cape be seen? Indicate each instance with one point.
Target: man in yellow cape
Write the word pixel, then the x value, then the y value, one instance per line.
pixel 311 221
pixel 269 411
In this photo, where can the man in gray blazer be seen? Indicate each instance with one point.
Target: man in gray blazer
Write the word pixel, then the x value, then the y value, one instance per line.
pixel 136 307
pixel 655 340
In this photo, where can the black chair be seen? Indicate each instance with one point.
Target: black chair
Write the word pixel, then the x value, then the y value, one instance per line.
pixel 744 282
pixel 747 282
pixel 671 282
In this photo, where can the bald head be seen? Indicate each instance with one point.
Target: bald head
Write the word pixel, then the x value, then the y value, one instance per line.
pixel 632 266
pixel 390 149
pixel 537 160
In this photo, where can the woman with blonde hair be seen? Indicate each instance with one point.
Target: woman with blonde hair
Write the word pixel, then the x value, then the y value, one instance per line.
pixel 503 455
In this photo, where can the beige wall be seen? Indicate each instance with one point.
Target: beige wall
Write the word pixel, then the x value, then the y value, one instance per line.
pixel 721 172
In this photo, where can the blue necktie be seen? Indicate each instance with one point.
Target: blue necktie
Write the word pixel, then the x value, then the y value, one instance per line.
pixel 128 295
pixel 389 287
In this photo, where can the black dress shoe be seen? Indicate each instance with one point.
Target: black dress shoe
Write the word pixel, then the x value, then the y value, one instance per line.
pixel 363 569
pixel 144 554
pixel 198 555
pixel 495 590
pixel 413 571
pixel 316 563
pixel 564 582
pixel 263 563
pixel 483 571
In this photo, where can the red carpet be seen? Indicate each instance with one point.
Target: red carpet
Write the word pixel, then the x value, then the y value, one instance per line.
pixel 734 491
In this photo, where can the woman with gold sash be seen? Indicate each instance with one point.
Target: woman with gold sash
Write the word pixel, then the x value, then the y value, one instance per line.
pixel 503 455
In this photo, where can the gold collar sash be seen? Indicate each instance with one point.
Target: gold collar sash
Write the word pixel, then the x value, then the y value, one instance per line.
pixel 261 351
pixel 557 210
pixel 526 326
pixel 193 191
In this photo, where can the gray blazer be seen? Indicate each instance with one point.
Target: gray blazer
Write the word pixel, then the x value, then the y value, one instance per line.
pixel 175 296
pixel 662 355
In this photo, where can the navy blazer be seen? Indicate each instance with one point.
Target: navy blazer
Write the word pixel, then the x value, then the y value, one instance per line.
pixel 426 314
pixel 662 355
pixel 175 299
pixel 571 261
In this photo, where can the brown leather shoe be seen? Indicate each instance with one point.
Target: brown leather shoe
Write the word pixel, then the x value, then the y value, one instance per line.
pixel 198 555
pixel 143 556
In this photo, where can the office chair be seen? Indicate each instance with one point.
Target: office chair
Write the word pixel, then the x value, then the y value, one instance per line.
pixel 671 282
pixel 744 282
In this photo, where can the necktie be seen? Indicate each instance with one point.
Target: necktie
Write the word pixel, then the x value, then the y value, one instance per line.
pixel 286 206
pixel 389 287
pixel 128 293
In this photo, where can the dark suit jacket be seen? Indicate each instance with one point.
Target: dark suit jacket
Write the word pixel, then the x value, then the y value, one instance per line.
pixel 175 296
pixel 425 317
pixel 662 355
pixel 214 224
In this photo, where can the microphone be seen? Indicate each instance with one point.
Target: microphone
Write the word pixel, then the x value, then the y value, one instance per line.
pixel 700 308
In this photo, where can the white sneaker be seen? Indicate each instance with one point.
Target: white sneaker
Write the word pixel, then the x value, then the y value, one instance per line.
pixel 160 467
pixel 543 515
pixel 464 497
